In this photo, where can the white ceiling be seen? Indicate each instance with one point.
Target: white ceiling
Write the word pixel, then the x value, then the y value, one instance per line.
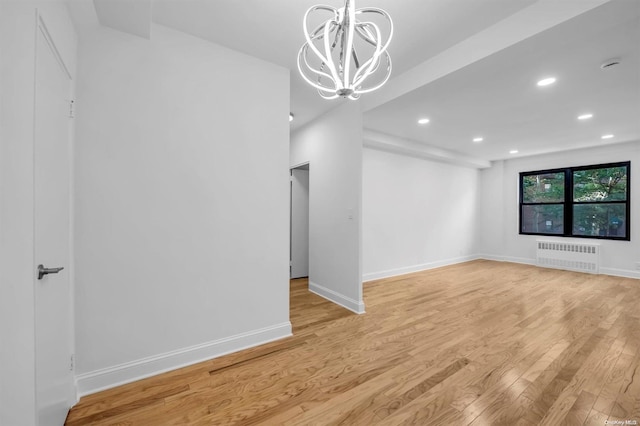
pixel 272 30
pixel 469 65
pixel 497 97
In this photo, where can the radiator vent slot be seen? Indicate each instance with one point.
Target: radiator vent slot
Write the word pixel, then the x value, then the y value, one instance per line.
pixel 570 256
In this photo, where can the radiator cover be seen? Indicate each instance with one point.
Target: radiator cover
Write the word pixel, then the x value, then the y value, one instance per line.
pixel 571 256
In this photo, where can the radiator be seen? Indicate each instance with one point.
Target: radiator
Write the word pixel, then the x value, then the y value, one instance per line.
pixel 581 257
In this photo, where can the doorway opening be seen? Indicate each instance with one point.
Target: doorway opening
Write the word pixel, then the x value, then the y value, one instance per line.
pixel 299 222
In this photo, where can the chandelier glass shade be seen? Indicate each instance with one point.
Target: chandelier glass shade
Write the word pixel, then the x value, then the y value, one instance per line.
pixel 346 55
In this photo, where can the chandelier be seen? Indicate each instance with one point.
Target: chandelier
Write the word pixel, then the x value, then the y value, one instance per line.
pixel 329 61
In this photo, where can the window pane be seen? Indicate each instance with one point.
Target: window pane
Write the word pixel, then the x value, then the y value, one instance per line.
pixel 543 219
pixel 543 188
pixel 609 184
pixel 600 220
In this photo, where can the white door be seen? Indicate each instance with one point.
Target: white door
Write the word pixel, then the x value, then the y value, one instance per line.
pixel 54 378
pixel 299 223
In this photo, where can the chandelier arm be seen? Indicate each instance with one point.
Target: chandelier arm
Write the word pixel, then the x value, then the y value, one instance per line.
pixel 317 86
pixel 335 40
pixel 355 58
pixel 322 65
pixel 375 68
pixel 366 36
pixel 340 33
pixel 315 37
pixel 319 78
pixel 318 32
pixel 311 68
pixel 329 59
pixel 371 66
pixel 365 33
pixel 384 15
pixel 320 28
pixel 328 97
pixel 323 7
pixel 364 66
pixel 302 59
pixel 386 78
pixel 368 67
pixel 361 79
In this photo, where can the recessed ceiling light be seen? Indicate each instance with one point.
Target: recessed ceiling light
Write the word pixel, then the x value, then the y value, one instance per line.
pixel 423 121
pixel 607 136
pixel 290 117
pixel 478 139
pixel 513 151
pixel 547 81
pixel 585 116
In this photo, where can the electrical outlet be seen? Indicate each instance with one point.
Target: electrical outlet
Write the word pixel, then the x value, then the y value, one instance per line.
pixel 637 266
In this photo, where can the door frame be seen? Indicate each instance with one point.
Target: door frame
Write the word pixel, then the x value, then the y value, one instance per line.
pixel 306 165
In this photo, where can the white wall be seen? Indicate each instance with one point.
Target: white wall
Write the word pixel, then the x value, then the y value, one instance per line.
pixel 17 263
pixel 499 207
pixel 416 214
pixel 17 345
pixel 332 144
pixel 182 193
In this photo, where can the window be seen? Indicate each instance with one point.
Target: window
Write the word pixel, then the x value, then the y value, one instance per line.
pixel 588 202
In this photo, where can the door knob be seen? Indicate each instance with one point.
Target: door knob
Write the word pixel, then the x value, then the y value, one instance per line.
pixel 42 271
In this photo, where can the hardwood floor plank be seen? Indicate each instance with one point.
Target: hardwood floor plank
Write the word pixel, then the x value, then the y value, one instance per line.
pixel 489 408
pixel 543 363
pixel 567 368
pixel 157 399
pixel 627 402
pixel 475 343
pixel 597 379
pixel 596 418
pixel 397 400
pixel 612 384
pixel 513 412
pixel 580 409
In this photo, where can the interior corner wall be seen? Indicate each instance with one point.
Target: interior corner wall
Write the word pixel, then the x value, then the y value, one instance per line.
pixel 492 211
pixel 417 214
pixel 17 262
pixel 182 221
pixel 332 144
pixel 500 239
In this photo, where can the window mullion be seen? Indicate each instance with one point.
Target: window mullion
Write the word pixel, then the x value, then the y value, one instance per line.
pixel 568 202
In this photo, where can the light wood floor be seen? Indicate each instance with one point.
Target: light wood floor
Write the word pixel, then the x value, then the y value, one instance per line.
pixel 477 343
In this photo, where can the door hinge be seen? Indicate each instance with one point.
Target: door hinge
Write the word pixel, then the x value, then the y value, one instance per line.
pixel 71 363
pixel 72 109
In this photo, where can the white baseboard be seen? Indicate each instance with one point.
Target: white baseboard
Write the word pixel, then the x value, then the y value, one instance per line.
pixel 625 273
pixel 337 298
pixel 416 268
pixel 521 260
pixel 106 378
